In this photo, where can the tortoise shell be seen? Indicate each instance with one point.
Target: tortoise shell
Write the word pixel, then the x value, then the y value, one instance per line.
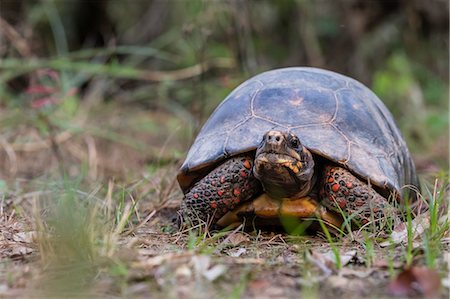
pixel 334 116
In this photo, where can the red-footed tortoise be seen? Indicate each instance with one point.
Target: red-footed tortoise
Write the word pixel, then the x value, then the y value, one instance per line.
pixel 314 142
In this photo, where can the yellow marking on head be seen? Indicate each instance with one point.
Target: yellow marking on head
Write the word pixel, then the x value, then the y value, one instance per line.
pixel 299 164
pixel 262 159
pixel 283 161
pixel 291 167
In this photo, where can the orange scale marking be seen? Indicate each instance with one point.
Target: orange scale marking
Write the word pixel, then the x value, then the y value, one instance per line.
pixel 335 187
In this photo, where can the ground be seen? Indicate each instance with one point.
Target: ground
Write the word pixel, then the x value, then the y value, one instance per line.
pixel 104 232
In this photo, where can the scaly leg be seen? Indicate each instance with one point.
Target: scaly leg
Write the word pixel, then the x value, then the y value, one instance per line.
pixel 226 186
pixel 342 191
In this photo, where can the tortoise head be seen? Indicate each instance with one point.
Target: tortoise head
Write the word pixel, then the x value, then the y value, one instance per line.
pixel 284 166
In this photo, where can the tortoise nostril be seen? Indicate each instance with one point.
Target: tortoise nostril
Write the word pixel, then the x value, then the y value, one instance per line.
pixel 277 138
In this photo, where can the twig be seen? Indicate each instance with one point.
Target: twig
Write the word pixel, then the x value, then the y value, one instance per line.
pixel 224 242
pixel 11 155
pixel 43 144
pixel 124 72
pixel 18 42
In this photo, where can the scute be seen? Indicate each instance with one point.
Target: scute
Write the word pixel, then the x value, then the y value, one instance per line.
pixel 333 115
pixel 243 137
pixel 295 101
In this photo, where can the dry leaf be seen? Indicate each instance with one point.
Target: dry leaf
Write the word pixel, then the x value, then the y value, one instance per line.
pixel 237 238
pixel 237 253
pixel 400 233
pixel 327 261
pixel 385 264
pixel 201 263
pixel 329 257
pixel 215 272
pixel 183 271
pixel 416 281
pixel 350 273
pixel 202 266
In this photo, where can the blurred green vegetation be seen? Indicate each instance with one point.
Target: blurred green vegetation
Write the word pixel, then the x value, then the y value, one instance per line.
pixel 181 58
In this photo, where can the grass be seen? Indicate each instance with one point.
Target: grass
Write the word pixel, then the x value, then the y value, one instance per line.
pixel 410 234
pixel 81 239
pixel 95 235
pixel 87 182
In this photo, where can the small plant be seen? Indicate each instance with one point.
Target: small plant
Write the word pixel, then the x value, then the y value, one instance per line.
pixel 409 229
pixel 369 250
pixel 77 236
pixel 333 245
pixel 438 222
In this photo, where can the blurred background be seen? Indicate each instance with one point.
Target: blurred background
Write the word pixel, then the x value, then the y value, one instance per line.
pixel 120 88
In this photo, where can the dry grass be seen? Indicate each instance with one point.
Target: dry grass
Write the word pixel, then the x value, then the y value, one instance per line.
pixel 113 248
pixel 105 228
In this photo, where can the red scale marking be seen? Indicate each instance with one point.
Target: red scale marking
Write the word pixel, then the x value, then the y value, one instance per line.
pixel 349 185
pixel 195 195
pixel 222 179
pixel 335 187
pixel 243 174
pixel 330 179
pixel 247 164
pixel 213 205
pixel 342 203
pixel 236 192
pixel 359 202
pixel 219 192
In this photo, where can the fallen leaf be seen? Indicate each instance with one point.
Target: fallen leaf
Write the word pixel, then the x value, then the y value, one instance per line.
pixel 201 263
pixel 202 266
pixel 400 233
pixel 237 238
pixel 351 273
pixel 337 281
pixel 215 272
pixel 237 253
pixel 329 257
pixel 18 251
pixel 183 271
pixel 416 281
pixel 385 264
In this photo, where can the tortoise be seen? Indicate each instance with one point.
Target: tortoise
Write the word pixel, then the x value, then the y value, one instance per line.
pixel 302 142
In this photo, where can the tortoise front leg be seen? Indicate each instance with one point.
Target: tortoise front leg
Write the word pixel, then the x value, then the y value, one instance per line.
pixel 343 192
pixel 226 186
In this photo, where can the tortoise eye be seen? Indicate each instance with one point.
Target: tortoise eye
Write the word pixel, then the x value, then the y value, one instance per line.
pixel 294 142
